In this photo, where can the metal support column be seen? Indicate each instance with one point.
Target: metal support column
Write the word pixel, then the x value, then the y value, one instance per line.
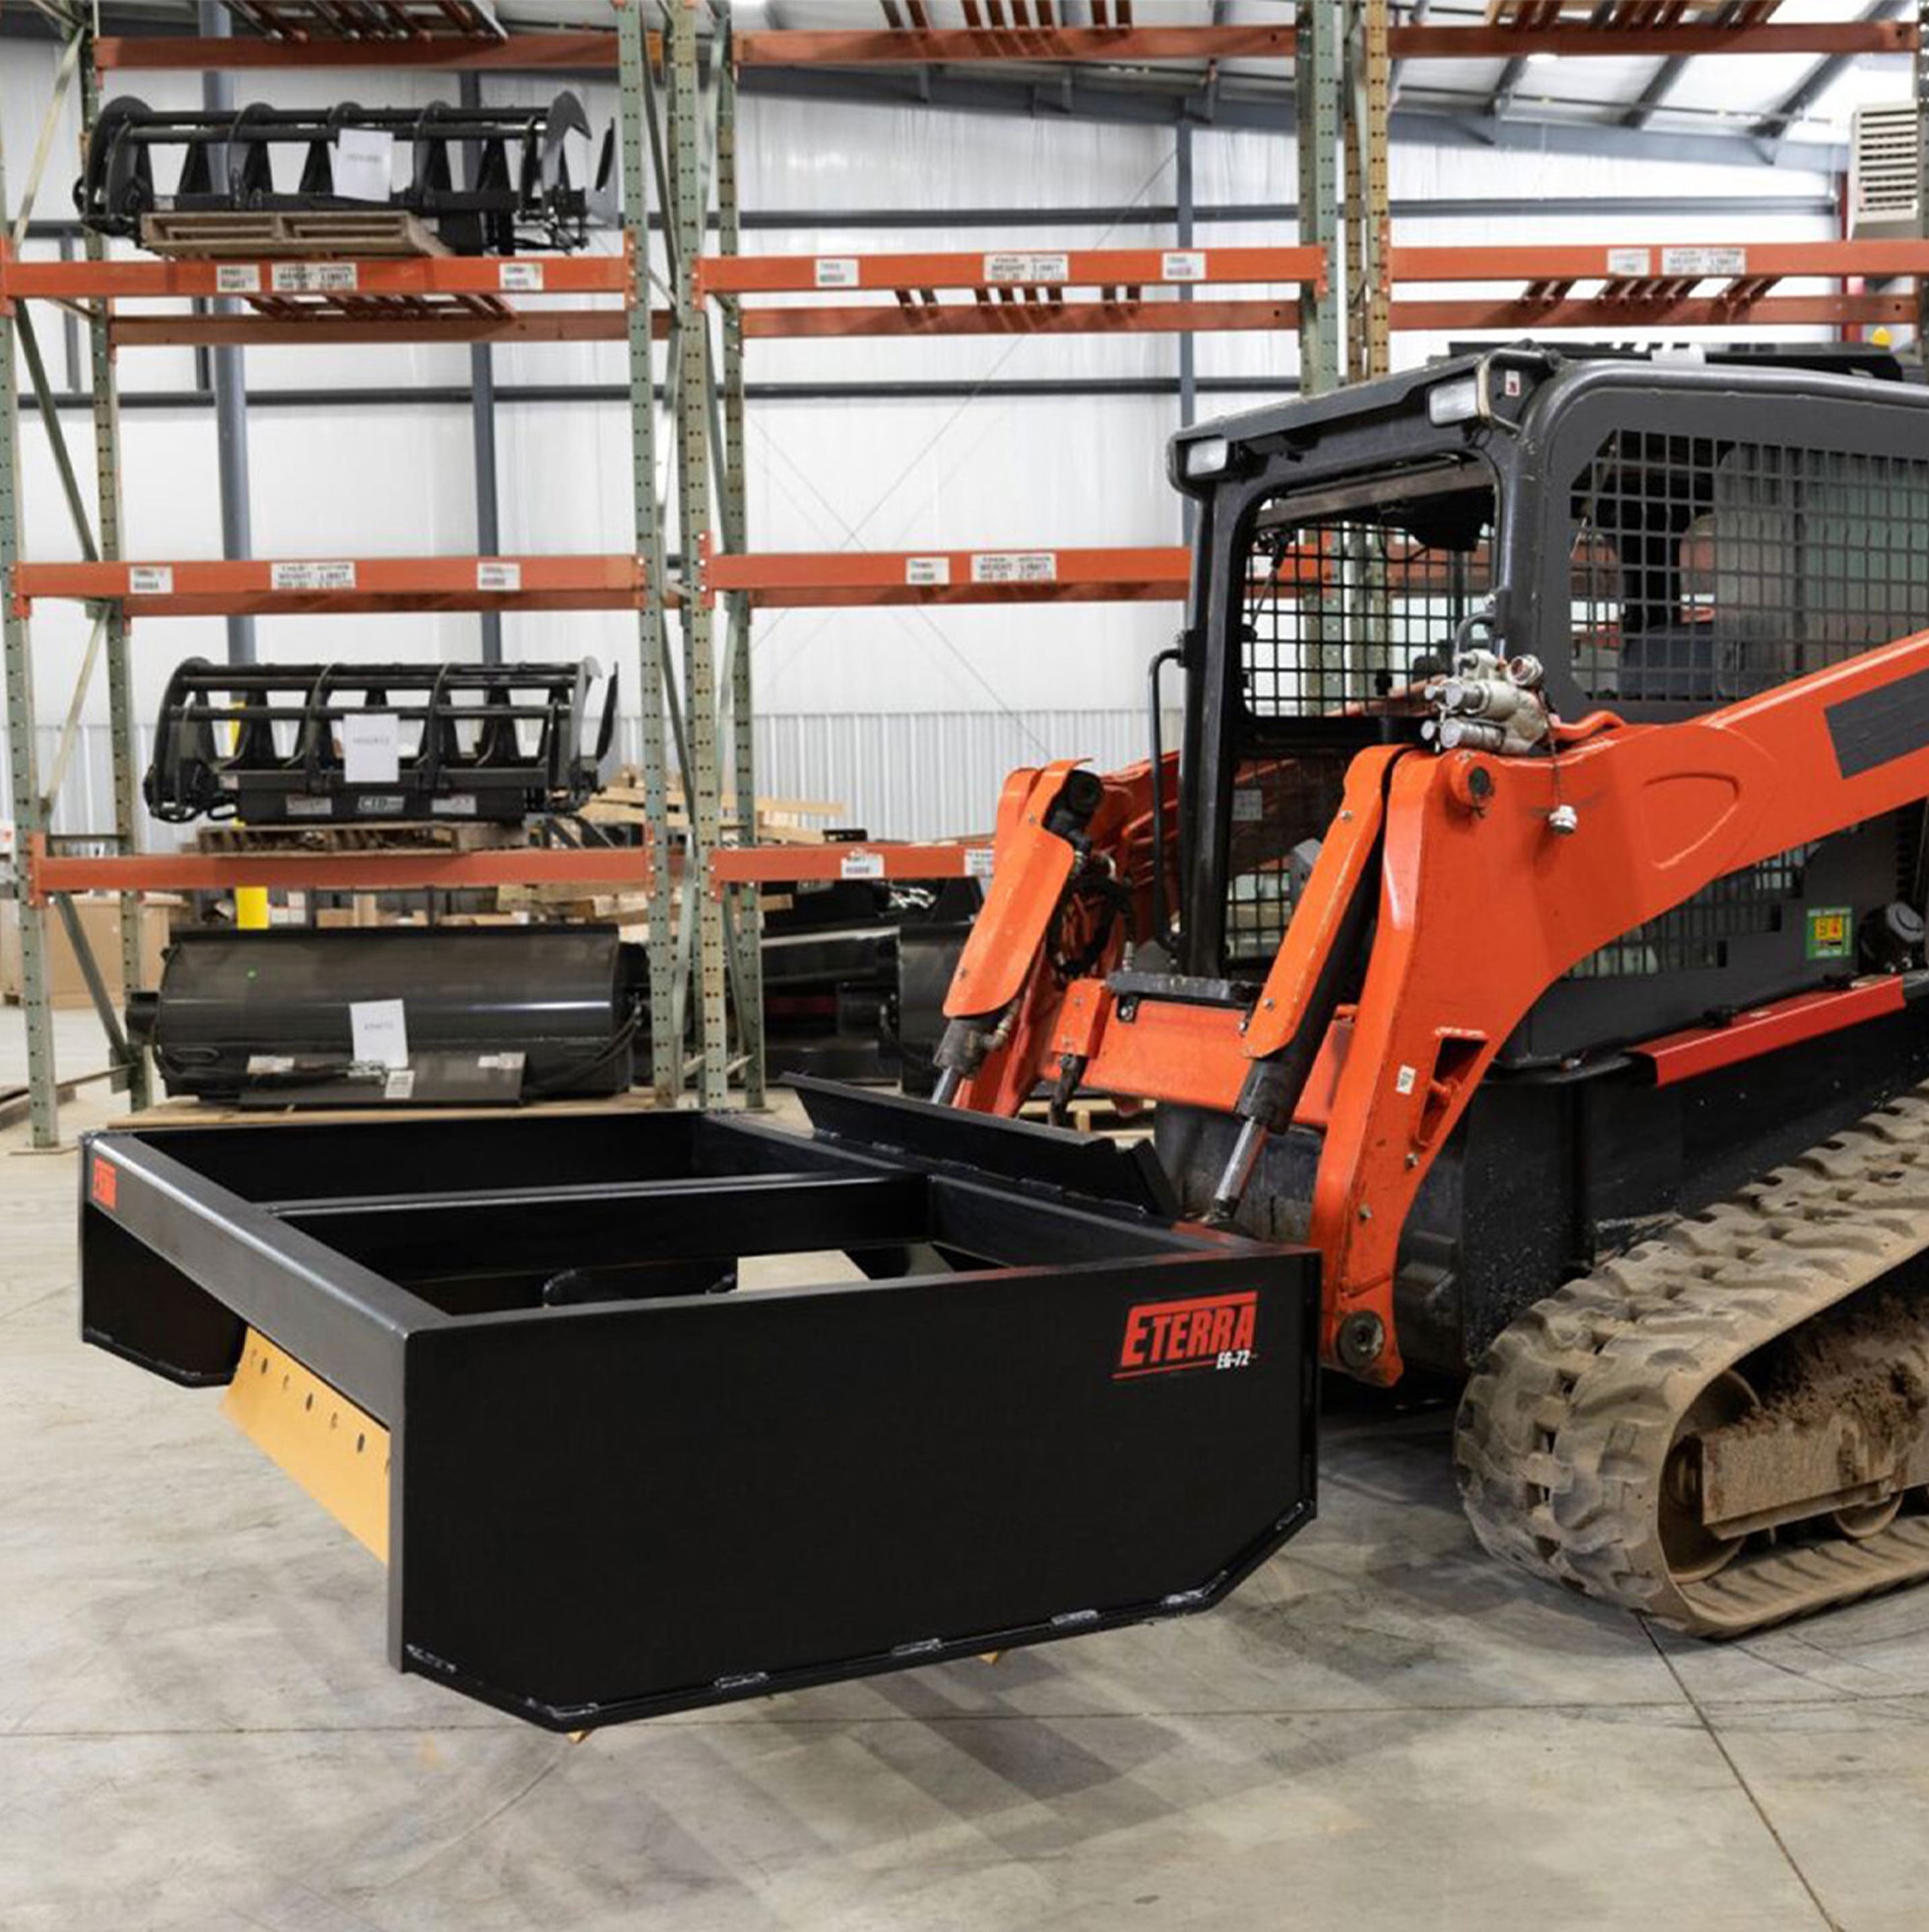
pixel 1368 96
pixel 694 394
pixel 230 380
pixel 1317 67
pixel 482 411
pixel 120 674
pixel 743 903
pixel 22 765
pixel 1188 362
pixel 665 1046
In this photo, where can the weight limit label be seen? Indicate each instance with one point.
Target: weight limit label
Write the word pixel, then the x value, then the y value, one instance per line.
pixel 306 576
pixel 1015 566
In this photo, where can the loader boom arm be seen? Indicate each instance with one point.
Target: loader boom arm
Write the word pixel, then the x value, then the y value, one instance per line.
pixel 1491 876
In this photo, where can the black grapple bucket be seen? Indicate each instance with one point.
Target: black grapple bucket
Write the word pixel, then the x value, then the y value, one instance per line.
pixel 611 1477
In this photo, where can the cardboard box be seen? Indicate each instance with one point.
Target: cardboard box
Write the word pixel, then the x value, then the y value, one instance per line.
pixel 100 921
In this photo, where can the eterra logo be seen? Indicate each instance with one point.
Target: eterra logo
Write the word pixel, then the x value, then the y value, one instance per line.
pixel 1207 1331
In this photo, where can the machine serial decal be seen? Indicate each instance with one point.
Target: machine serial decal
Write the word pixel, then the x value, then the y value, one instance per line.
pixel 1162 1338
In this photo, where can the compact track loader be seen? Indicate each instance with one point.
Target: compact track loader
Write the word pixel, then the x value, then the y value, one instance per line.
pixel 1524 949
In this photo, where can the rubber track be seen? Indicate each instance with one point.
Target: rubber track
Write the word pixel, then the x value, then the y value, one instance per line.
pixel 1566 1423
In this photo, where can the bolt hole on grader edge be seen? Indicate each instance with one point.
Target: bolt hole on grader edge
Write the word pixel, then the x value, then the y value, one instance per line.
pixel 1524 951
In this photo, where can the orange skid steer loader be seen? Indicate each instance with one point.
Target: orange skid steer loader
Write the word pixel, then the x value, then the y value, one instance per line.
pixel 1524 951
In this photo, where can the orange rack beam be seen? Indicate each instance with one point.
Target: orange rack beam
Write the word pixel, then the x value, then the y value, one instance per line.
pixel 385 278
pixel 626 866
pixel 779 866
pixel 898 46
pixel 847 578
pixel 308 585
pixel 991 269
pixel 1663 285
pixel 1579 39
pixel 521 52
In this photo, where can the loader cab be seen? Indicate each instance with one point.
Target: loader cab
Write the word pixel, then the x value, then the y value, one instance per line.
pixel 1664 538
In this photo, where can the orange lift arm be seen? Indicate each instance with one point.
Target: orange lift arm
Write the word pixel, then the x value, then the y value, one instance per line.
pixel 1487 879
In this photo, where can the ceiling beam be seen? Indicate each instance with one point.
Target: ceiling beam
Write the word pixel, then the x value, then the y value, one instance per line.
pixel 1776 123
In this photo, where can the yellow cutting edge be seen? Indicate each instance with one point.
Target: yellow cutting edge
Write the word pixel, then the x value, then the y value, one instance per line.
pixel 334 1450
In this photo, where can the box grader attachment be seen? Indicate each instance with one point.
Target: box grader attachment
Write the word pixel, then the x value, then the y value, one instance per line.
pixel 1524 949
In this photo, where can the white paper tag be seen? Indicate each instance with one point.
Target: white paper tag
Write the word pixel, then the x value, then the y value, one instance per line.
pixel 1248 806
pixel 1183 264
pixel 334 576
pixel 9 839
pixel 1703 261
pixel 371 747
pixel 314 277
pixel 928 570
pixel 861 865
pixel 1405 1080
pixel 1015 566
pixel 524 276
pixel 1630 263
pixel 399 1085
pixel 300 806
pixel 836 271
pixel 493 574
pixel 1010 267
pixel 361 164
pixel 980 861
pixel 237 277
pixel 150 580
pixel 457 805
pixel 499 1063
pixel 378 1032
pixel 271 1063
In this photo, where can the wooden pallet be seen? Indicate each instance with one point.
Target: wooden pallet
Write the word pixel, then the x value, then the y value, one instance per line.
pixel 1095 1113
pixel 309 236
pixel 415 835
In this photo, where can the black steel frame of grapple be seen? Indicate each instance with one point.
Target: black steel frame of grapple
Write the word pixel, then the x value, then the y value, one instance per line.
pixel 216 749
pixel 620 1508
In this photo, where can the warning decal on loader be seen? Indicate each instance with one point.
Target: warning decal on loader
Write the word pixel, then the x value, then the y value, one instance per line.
pixel 103 1182
pixel 1205 1332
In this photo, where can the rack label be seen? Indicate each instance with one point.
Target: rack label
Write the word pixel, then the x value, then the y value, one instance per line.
pixel 379 1033
pixel 1630 263
pixel 836 271
pixel 457 805
pixel 312 575
pixel 1183 264
pixel 371 747
pixel 493 574
pixel 237 277
pixel 1008 267
pixel 928 570
pixel 524 275
pixel 1015 566
pixel 150 580
pixel 1703 261
pixel 259 1064
pixel 314 277
pixel 861 865
pixel 304 805
pixel 980 861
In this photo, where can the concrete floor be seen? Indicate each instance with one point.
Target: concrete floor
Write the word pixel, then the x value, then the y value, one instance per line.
pixel 198 1730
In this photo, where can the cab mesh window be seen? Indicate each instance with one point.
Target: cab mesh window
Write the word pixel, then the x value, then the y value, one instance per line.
pixel 1346 608
pixel 1704 570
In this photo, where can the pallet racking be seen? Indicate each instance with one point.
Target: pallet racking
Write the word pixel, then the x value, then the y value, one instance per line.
pixel 1357 288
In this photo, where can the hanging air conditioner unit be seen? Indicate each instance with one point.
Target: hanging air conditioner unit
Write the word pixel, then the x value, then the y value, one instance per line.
pixel 1885 182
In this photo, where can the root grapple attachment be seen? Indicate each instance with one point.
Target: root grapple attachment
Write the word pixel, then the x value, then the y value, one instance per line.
pixel 524 188
pixel 270 743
